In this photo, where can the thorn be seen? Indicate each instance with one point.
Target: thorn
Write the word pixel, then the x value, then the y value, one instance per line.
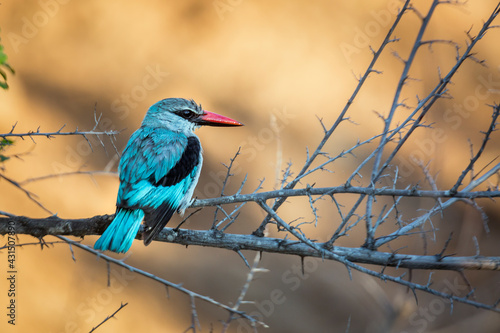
pixel 243 257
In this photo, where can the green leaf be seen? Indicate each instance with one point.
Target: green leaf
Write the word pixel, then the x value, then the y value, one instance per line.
pixel 3 56
pixel 10 68
pixel 3 63
pixel 5 142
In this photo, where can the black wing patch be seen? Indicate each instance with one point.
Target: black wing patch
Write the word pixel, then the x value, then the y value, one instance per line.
pixel 155 220
pixel 188 161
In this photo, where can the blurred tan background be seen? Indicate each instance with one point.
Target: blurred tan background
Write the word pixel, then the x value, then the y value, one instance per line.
pixel 275 66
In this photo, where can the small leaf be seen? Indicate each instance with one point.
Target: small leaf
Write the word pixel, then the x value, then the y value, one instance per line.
pixel 5 142
pixel 3 56
pixel 10 68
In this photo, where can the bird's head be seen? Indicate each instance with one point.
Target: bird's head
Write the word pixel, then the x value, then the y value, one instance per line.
pixel 179 114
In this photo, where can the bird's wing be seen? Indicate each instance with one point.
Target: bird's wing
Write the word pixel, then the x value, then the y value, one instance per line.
pixel 157 171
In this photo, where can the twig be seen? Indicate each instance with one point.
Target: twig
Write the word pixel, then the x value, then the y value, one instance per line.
pixel 29 194
pixel 224 183
pixel 254 269
pixel 65 174
pixel 473 160
pixel 109 317
pixel 51 135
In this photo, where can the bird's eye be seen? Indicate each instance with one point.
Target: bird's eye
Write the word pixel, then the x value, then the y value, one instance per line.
pixel 187 114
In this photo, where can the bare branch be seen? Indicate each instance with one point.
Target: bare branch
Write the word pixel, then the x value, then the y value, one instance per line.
pixel 109 317
pixel 496 113
pixel 97 224
pixel 250 276
pixel 51 135
pixel 32 196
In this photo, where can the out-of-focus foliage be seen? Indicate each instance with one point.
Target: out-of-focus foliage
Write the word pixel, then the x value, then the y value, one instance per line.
pixel 4 143
pixel 3 83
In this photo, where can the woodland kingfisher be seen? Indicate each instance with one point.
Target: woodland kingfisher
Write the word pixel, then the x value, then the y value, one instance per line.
pixel 158 171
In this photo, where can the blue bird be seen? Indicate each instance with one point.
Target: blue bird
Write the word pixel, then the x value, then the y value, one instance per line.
pixel 159 170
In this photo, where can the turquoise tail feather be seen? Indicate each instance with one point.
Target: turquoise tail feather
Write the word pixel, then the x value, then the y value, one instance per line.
pixel 120 234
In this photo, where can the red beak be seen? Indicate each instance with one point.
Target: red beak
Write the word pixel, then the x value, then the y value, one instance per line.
pixel 214 119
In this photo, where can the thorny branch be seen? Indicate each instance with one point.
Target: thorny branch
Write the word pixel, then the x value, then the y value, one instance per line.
pixel 85 134
pixel 250 276
pixel 20 185
pixel 109 317
pixel 51 135
pixel 473 160
pixel 340 118
pixel 304 248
